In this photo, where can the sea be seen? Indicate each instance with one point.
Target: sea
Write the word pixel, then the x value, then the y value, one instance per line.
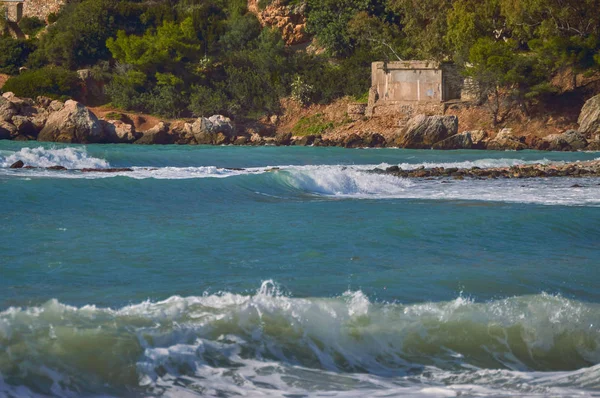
pixel 291 272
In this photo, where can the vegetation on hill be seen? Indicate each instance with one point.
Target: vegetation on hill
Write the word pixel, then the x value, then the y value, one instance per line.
pixel 199 57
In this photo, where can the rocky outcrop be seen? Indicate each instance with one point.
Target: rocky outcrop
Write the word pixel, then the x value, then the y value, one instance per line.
pixel 7 130
pixel 119 132
pixel 290 20
pixel 215 130
pixel 505 140
pixel 580 169
pixel 7 110
pixel 158 135
pixel 74 123
pixel 589 118
pixel 465 140
pixel 568 141
pixel 422 132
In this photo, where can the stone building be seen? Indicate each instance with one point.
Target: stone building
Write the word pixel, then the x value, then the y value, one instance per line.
pixel 13 9
pixel 412 87
pixel 17 9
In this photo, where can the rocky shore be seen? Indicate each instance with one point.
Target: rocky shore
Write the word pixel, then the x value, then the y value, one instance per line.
pixel 44 119
pixel 576 169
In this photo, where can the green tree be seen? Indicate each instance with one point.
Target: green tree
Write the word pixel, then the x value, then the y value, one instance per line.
pixel 502 76
pixel 14 54
pixel 328 20
pixel 54 82
pixel 163 50
pixel 425 25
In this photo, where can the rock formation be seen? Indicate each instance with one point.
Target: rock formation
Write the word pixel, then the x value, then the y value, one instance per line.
pixel 74 123
pixel 589 118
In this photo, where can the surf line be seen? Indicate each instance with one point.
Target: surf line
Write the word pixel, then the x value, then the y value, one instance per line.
pixel 21 165
pixel 538 170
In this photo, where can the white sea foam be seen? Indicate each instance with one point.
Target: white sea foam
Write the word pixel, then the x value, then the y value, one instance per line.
pixel 71 158
pixel 270 344
pixel 338 181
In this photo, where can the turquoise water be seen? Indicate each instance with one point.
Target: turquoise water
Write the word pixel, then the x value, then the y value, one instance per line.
pixel 299 275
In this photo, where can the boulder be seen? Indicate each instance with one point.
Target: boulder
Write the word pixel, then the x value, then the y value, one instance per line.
pixel 182 134
pixel 457 141
pixel 241 140
pixel 25 126
pixel 17 165
pixel 306 140
pixel 283 139
pixel 256 139
pixel 7 110
pixel 262 129
pixel 422 131
pixel 374 140
pixel 570 140
pixel 43 102
pixel 352 141
pixel 589 118
pixel 464 140
pixel 205 130
pixel 593 146
pixel 56 106
pixel 74 123
pixel 505 140
pixel 7 130
pixel 157 135
pixel 118 132
pixel 19 102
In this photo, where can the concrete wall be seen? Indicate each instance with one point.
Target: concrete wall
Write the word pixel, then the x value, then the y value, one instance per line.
pixel 416 81
pixel 14 10
pixel 32 8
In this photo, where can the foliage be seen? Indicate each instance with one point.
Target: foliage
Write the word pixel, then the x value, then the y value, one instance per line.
pixel 14 54
pixel 54 82
pixel 31 25
pixel 328 20
pixel 199 57
pixel 301 91
pixel 312 125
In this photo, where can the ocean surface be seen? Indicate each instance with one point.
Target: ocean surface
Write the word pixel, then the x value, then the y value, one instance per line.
pixel 289 272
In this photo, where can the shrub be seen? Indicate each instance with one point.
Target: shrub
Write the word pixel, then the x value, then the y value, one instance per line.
pixel 53 82
pixel 312 125
pixel 31 25
pixel 14 54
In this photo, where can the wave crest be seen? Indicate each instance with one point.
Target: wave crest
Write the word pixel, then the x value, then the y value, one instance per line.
pixel 213 339
pixel 71 158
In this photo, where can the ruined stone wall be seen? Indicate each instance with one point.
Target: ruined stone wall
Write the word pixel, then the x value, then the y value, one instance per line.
pixel 404 110
pixel 42 8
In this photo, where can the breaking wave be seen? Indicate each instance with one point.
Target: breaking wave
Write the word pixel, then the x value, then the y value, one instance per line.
pixel 336 181
pixel 273 344
pixel 71 158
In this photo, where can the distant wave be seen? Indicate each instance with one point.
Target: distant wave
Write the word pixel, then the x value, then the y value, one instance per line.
pixel 71 158
pixel 227 344
pixel 335 181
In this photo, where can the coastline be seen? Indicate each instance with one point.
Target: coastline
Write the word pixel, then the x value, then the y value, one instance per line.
pixel 47 120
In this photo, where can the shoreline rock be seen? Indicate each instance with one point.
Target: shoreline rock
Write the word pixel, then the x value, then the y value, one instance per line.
pixel 576 169
pixel 553 170
pixel 72 122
